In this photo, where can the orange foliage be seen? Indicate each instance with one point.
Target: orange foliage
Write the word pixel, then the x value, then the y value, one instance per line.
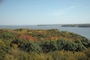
pixel 28 37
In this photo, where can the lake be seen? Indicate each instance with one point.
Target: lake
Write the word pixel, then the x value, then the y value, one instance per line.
pixel 78 30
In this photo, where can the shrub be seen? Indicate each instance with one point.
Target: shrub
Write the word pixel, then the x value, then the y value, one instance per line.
pixel 6 35
pixel 48 46
pixel 80 46
pixel 70 46
pixel 30 47
pixel 61 44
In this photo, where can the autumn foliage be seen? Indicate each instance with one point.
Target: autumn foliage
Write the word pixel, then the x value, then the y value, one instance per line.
pixel 52 44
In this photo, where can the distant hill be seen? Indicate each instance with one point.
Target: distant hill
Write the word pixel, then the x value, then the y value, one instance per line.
pixel 76 25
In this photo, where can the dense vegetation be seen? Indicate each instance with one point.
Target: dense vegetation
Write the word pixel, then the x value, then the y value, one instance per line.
pixel 28 44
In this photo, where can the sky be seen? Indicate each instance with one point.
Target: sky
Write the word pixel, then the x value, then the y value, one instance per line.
pixel 34 12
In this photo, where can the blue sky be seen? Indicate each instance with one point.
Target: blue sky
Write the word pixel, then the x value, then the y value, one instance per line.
pixel 33 12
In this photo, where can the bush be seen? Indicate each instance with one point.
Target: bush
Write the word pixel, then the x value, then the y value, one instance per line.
pixel 7 35
pixel 87 52
pixel 30 47
pixel 61 44
pixel 3 50
pixel 80 46
pixel 70 46
pixel 48 46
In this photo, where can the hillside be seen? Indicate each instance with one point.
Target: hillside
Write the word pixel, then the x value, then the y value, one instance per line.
pixel 28 44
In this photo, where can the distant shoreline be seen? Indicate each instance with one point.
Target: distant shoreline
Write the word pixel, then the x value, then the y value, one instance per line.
pixel 75 25
pixel 61 25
